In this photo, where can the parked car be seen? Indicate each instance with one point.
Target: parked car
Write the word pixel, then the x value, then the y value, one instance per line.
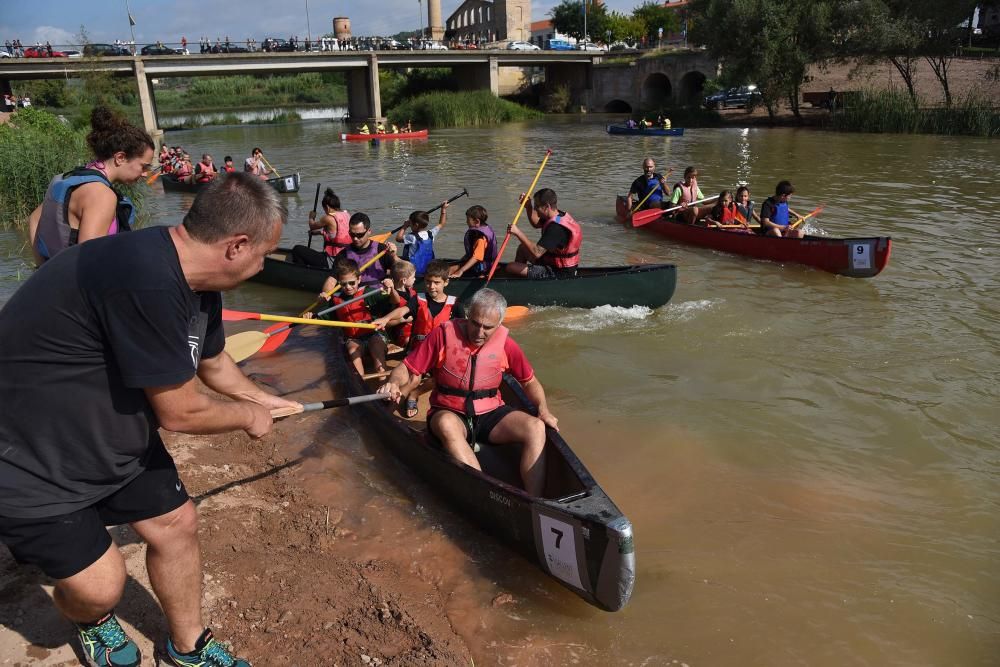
pixel 32 52
pixel 523 46
pixel 158 50
pixel 560 45
pixel 430 45
pixel 3 53
pixel 622 46
pixel 105 50
pixel 231 48
pixel 276 44
pixel 739 96
pixel 588 46
pixel 72 53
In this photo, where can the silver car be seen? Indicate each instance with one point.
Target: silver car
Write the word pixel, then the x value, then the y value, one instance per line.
pixel 523 46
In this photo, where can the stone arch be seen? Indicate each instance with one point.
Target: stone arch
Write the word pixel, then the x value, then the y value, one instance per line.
pixel 656 91
pixel 692 88
pixel 618 106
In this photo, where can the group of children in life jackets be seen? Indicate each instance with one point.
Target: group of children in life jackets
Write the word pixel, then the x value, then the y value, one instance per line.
pixel 174 160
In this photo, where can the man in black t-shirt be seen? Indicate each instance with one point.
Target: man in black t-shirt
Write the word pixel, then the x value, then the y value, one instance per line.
pixel 105 343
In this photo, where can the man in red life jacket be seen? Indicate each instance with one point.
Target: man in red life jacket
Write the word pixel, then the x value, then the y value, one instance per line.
pixel 205 170
pixel 557 252
pixel 468 358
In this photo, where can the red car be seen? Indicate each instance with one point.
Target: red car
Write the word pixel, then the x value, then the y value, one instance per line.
pixel 36 52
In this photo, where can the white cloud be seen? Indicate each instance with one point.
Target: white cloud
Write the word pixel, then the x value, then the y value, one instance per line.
pixel 55 36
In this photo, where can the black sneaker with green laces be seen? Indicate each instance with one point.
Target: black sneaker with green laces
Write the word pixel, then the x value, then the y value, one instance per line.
pixel 207 653
pixel 105 644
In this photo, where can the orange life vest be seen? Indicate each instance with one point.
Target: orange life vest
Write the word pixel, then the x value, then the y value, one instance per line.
pixel 354 312
pixel 688 193
pixel 206 172
pixel 334 243
pixel 467 380
pixel 401 332
pixel 423 323
pixel 568 257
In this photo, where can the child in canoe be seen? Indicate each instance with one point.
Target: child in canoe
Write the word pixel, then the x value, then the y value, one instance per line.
pixel 480 245
pixel 418 244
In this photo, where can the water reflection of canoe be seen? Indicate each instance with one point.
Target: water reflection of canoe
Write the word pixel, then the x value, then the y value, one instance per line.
pixel 650 285
pixel 574 531
pixel 856 258
pixel 284 184
pixel 648 132
pixel 416 134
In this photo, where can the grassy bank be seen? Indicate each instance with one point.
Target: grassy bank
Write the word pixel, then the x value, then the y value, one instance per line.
pixel 230 119
pixel 465 109
pixel 35 146
pixel 893 111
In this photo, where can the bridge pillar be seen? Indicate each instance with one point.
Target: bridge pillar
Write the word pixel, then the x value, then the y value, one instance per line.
pixel 479 76
pixel 147 103
pixel 578 77
pixel 364 98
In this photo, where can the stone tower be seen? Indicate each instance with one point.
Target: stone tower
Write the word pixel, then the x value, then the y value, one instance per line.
pixel 434 23
pixel 513 19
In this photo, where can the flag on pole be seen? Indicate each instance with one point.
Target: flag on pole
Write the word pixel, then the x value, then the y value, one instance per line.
pixel 131 21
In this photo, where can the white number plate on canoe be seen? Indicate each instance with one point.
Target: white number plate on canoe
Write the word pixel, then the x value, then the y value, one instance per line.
pixel 559 545
pixel 861 256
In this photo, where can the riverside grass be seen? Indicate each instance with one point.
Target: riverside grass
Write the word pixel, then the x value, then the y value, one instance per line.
pixel 35 146
pixel 460 109
pixel 892 111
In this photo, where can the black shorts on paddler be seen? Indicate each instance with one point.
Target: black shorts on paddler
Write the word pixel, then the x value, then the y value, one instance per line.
pixel 67 544
pixel 477 429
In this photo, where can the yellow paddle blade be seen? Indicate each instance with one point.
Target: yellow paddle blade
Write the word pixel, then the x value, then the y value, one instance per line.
pixel 245 344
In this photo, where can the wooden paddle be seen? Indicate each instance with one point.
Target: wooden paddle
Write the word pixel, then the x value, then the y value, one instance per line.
pixel 337 288
pixel 803 218
pixel 646 221
pixel 382 238
pixel 272 337
pixel 279 413
pixel 312 216
pixel 524 200
pixel 639 205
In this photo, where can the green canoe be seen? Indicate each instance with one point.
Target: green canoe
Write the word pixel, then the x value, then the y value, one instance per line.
pixel 650 285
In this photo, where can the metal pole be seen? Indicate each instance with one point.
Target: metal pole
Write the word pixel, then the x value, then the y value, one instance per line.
pixel 131 28
pixel 584 21
pixel 420 15
pixel 308 29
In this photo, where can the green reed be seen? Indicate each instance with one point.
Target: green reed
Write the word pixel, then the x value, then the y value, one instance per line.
pixel 462 109
pixel 891 110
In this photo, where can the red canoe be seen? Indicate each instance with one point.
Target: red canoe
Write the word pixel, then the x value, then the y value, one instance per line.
pixel 856 258
pixel 419 134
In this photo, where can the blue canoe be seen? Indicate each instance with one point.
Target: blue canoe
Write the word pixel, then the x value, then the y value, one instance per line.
pixel 648 132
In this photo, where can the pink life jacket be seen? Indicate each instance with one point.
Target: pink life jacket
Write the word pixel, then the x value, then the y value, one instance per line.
pixel 466 380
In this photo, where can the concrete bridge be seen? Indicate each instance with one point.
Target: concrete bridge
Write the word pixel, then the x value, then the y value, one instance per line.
pixel 642 83
pixel 474 69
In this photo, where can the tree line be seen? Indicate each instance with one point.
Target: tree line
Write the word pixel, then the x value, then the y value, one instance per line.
pixel 772 42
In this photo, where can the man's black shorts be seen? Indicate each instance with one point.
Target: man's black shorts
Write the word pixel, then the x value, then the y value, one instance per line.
pixel 482 425
pixel 67 544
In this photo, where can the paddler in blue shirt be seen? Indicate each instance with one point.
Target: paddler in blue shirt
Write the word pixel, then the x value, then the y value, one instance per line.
pixel 649 181
pixel 775 214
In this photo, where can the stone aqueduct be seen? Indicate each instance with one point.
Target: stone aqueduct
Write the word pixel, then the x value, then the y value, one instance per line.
pixel 648 83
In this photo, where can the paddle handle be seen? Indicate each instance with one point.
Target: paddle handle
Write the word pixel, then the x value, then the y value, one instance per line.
pixel 805 217
pixel 517 215
pixel 699 201
pixel 304 320
pixel 658 187
pixel 463 193
pixel 269 166
pixel 278 413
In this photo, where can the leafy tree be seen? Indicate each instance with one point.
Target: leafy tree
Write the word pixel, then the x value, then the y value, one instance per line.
pixel 655 16
pixel 624 28
pixel 567 18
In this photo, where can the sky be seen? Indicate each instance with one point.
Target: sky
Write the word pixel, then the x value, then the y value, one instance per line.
pixel 59 21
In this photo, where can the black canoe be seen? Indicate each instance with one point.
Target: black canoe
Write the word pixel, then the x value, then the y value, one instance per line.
pixel 650 285
pixel 285 184
pixel 574 532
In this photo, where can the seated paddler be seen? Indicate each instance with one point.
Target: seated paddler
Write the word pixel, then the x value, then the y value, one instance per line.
pixel 557 253
pixel 650 188
pixel 467 358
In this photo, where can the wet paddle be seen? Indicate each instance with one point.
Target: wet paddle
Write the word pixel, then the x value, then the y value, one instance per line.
pixel 337 288
pixel 803 218
pixel 524 200
pixel 279 413
pixel 648 219
pixel 382 238
pixel 272 337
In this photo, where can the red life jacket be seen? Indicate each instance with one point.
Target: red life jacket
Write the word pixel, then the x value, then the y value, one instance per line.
pixel 205 173
pixel 355 312
pixel 467 380
pixel 229 169
pixel 334 243
pixel 568 257
pixel 727 216
pixel 423 323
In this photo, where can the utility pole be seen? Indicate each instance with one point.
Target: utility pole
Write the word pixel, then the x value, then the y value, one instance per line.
pixel 308 29
pixel 131 26
pixel 420 12
pixel 584 22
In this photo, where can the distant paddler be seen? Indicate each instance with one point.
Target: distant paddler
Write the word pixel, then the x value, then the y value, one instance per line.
pixel 255 164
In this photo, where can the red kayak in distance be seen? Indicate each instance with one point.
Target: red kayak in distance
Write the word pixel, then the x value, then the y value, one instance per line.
pixel 418 134
pixel 855 258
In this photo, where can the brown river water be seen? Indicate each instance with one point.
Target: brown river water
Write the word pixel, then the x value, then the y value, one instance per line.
pixel 810 462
